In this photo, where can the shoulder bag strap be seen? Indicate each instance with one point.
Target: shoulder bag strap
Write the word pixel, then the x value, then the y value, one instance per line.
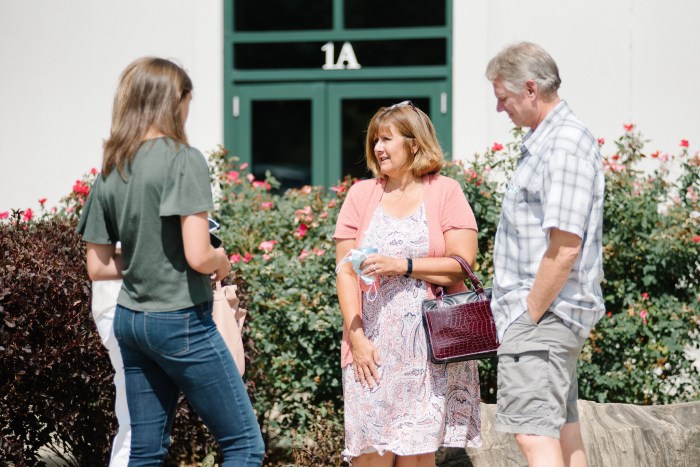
pixel 476 283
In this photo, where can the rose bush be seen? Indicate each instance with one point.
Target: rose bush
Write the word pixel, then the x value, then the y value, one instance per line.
pixel 283 259
pixel 639 353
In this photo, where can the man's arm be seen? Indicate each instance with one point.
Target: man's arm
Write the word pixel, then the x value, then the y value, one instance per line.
pixel 553 272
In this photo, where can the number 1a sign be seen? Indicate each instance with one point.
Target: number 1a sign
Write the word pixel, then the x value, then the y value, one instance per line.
pixel 346 58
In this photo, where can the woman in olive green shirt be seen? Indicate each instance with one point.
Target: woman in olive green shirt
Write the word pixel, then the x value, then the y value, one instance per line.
pixel 154 196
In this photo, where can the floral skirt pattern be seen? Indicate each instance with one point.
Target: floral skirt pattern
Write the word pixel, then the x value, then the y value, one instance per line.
pixel 418 405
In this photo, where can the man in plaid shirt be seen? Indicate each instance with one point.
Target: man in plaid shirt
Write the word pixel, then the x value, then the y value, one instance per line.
pixel 547 260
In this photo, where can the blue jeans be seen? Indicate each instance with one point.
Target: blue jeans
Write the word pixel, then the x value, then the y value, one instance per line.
pixel 168 352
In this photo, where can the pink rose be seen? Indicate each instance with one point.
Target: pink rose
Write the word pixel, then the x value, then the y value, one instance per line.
pixel 267 245
pixel 301 231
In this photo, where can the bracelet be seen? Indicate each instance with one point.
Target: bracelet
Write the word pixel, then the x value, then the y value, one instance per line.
pixel 410 267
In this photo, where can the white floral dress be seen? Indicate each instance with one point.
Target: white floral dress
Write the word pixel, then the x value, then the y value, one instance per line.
pixel 418 406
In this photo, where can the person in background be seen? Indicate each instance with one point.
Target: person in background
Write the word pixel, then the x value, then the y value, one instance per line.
pixel 399 406
pixel 153 196
pixel 104 303
pixel 547 260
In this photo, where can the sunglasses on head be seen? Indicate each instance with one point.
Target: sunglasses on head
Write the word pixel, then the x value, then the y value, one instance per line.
pixel 405 104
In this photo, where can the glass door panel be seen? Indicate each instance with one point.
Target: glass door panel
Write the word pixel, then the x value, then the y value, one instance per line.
pixel 361 14
pixel 352 105
pixel 289 15
pixel 279 128
pixel 282 141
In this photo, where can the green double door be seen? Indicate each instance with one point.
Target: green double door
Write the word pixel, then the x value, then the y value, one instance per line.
pixel 313 133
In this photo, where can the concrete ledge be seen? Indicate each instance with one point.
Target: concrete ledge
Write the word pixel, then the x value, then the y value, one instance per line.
pixel 620 435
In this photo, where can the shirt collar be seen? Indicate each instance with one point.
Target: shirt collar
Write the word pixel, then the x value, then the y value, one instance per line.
pixel 533 137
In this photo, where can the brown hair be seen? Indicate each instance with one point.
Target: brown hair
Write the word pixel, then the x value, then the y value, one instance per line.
pixel 415 126
pixel 149 94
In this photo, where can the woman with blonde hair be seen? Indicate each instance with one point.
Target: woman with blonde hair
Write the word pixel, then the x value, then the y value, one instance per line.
pixel 399 406
pixel 153 196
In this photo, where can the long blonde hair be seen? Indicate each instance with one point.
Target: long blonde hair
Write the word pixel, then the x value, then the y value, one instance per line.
pixel 149 95
pixel 415 126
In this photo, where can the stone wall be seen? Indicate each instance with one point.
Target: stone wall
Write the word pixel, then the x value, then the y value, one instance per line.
pixel 615 435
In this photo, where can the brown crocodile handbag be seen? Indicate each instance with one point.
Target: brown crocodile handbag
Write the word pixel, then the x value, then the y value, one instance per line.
pixel 460 326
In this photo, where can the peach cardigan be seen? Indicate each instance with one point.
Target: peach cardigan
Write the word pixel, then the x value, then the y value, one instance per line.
pixel 446 208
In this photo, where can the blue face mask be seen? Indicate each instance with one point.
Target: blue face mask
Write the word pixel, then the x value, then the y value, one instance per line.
pixel 356 257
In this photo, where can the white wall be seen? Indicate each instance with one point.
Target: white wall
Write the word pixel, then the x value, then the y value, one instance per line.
pixel 59 65
pixel 622 61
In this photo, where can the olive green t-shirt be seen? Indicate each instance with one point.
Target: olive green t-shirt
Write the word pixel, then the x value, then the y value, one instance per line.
pixel 166 180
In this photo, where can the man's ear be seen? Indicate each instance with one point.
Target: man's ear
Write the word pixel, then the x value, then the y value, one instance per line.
pixel 531 89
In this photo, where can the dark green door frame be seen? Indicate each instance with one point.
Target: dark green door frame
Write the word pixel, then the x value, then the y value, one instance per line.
pixel 327 87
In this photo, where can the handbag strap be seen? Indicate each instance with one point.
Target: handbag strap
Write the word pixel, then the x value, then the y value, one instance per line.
pixel 476 282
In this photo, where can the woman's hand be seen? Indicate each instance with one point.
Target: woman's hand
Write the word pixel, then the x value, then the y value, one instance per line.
pixel 441 271
pixel 224 265
pixel 365 360
pixel 199 253
pixel 380 265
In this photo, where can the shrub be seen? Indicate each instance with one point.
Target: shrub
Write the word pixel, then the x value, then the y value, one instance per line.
pixel 323 443
pixel 651 239
pixel 638 356
pixel 283 259
pixel 651 225
pixel 54 373
pixel 56 388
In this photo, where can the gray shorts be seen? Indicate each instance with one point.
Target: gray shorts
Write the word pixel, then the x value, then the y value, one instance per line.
pixel 537 385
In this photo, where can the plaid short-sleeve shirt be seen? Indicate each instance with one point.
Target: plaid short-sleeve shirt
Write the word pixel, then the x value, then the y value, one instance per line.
pixel 558 182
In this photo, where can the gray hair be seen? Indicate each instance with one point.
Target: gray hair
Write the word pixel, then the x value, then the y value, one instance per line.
pixel 521 62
